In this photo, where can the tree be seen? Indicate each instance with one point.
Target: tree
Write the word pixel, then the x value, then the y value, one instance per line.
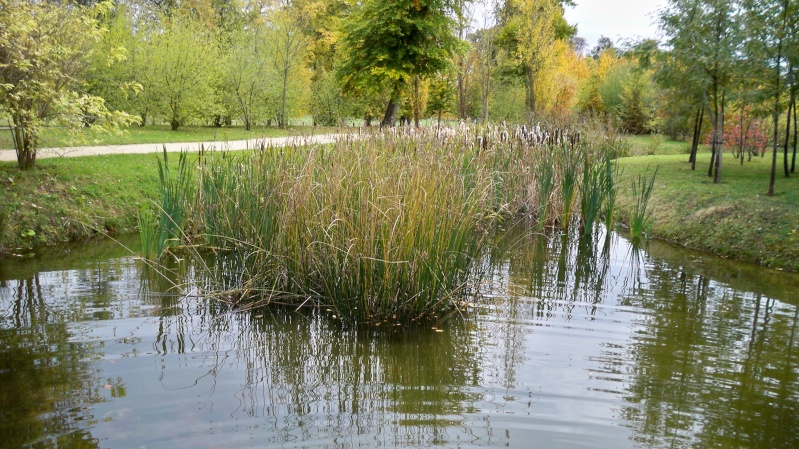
pixel 44 48
pixel 248 75
pixel 770 24
pixel 177 67
pixel 530 29
pixel 285 31
pixel 484 59
pixel 442 95
pixel 389 42
pixel 704 37
pixel 604 43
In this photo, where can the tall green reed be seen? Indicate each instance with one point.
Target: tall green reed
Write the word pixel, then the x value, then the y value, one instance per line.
pixel 148 233
pixel 598 192
pixel 389 227
pixel 612 172
pixel 571 160
pixel 641 216
pixel 545 182
pixel 176 191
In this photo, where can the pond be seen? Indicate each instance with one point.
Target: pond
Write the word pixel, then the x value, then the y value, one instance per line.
pixel 568 344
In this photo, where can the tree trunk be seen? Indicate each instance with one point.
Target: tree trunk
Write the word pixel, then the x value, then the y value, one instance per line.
pixel 282 123
pixel 778 78
pixel 695 148
pixel 24 143
pixel 787 138
pixel 700 116
pixel 742 137
pixel 461 91
pixel 416 102
pixel 692 156
pixel 720 144
pixel 390 117
pixel 795 134
pixel 174 123
pixel 531 100
pixel 143 116
pixel 712 157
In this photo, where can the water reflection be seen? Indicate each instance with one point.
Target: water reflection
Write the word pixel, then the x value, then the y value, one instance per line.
pixel 571 343
pixel 47 386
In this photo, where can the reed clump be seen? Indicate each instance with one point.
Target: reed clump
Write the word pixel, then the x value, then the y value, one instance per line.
pixel 390 227
pixel 641 215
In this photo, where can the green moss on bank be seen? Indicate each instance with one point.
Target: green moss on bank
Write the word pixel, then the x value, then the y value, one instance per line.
pixel 733 219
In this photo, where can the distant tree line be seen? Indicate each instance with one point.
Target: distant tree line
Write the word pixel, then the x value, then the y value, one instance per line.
pixel 725 69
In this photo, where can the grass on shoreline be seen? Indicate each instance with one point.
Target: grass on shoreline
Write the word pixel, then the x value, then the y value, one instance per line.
pixel 68 199
pixel 734 219
pixel 59 137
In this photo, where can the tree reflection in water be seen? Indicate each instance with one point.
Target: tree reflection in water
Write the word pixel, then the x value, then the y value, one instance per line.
pixel 670 349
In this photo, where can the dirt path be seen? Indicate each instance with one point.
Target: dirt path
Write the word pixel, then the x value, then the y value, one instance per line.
pixel 11 155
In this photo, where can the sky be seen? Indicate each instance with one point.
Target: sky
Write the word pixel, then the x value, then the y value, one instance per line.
pixel 616 19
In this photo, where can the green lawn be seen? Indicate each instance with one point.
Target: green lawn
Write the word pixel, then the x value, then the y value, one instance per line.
pixel 66 198
pixel 71 198
pixel 654 144
pixel 734 218
pixel 59 137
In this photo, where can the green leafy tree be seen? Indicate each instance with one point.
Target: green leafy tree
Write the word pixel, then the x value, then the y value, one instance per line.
pixel 286 34
pixel 441 96
pixel 705 41
pixel 388 42
pixel 177 65
pixel 771 50
pixel 44 49
pixel 248 82
pixel 530 29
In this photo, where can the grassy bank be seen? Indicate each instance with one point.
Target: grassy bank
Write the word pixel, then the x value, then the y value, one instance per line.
pixel 68 199
pixel 60 137
pixel 734 219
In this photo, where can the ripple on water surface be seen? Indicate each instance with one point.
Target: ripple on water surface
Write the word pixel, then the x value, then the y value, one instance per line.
pixel 569 345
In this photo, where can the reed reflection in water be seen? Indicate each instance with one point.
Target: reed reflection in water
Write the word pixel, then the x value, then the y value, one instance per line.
pixel 569 343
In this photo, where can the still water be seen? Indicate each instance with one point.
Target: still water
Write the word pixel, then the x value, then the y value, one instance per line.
pixel 570 344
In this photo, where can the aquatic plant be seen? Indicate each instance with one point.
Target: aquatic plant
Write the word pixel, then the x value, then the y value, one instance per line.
pixel 570 162
pixel 545 180
pixel 148 233
pixel 612 172
pixel 598 192
pixel 387 227
pixel 176 195
pixel 641 215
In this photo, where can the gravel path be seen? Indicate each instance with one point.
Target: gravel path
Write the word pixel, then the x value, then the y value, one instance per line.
pixel 11 155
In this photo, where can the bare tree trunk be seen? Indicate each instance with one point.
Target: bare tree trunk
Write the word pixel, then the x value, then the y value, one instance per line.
pixel 720 145
pixel 390 117
pixel 462 109
pixel 795 134
pixel 282 124
pixel 787 137
pixel 742 137
pixel 531 100
pixel 416 102
pixel 700 116
pixel 773 176
pixel 24 143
